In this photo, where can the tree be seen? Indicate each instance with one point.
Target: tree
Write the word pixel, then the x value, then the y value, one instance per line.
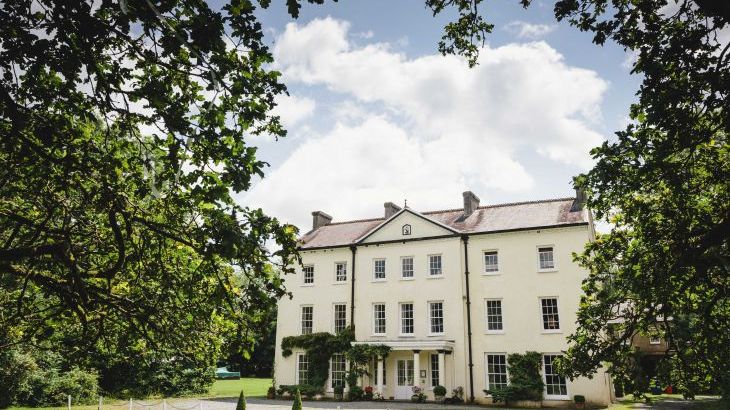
pixel 297 404
pixel 663 183
pixel 123 136
pixel 241 405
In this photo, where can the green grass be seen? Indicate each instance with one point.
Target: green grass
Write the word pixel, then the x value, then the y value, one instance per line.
pixel 232 388
pixel 221 388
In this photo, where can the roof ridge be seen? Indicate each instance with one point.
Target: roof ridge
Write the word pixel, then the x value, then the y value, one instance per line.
pixel 537 201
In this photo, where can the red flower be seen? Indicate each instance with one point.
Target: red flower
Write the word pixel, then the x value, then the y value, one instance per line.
pixel 369 389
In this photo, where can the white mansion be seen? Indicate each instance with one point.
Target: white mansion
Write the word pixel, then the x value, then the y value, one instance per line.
pixel 452 292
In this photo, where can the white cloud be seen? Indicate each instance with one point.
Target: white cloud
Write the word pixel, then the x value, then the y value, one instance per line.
pixel 426 128
pixel 293 109
pixel 525 30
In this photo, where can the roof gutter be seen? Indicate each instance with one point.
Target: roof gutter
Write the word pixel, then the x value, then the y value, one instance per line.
pixel 465 239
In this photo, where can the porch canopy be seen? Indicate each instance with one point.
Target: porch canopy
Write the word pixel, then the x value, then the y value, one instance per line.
pixel 443 347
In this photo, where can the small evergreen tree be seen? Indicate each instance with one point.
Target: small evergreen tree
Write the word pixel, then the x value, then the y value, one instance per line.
pixel 241 405
pixel 297 401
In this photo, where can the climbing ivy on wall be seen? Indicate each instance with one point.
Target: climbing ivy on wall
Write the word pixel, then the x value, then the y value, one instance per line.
pixel 322 345
pixel 525 381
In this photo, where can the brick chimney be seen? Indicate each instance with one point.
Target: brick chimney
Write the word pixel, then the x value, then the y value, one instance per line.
pixel 471 203
pixel 320 219
pixel 390 209
pixel 581 197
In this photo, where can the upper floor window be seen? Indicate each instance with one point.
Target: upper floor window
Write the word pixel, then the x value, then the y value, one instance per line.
pixel 491 261
pixel 436 317
pixel 434 265
pixel 550 318
pixel 307 319
pixel 308 274
pixel 406 267
pixel 341 272
pixel 340 319
pixel 406 318
pixel 555 384
pixel 496 371
pixel 379 269
pixel 546 258
pixel 494 315
pixel 379 318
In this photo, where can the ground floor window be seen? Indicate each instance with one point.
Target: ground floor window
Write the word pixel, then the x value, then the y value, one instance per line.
pixel 405 372
pixel 435 370
pixel 302 369
pixel 555 384
pixel 338 367
pixel 496 371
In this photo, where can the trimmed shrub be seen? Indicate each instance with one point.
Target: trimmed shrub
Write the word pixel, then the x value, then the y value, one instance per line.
pixel 525 379
pixel 439 391
pixel 241 405
pixel 297 405
pixel 356 393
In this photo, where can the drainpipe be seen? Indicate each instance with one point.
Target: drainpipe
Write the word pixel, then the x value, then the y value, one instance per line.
pixel 465 239
pixel 352 288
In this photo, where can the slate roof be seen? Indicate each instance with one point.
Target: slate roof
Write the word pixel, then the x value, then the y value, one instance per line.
pixel 489 218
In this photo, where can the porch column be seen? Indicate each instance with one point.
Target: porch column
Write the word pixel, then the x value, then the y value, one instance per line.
pixel 379 375
pixel 416 368
pixel 442 369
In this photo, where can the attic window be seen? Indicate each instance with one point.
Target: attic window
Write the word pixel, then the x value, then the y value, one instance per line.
pixel 406 229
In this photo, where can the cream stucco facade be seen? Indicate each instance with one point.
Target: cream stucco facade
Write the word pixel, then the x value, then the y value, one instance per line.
pixel 435 266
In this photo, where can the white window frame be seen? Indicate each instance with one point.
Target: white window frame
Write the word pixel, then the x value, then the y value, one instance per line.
pixel 655 340
pixel 486 316
pixel 297 378
pixel 486 368
pixel 413 268
pixel 385 319
pixel 401 318
pixel 565 396
pixel 330 381
pixel 337 277
pixel 430 318
pixel 542 315
pixel 304 275
pixel 385 270
pixel 301 319
pixel 484 263
pixel 441 266
pixel 555 259
pixel 431 370
pixel 334 316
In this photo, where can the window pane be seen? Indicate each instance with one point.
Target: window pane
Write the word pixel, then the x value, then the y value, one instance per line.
pixel 494 315
pixel 379 318
pixel 302 369
pixel 555 384
pixel 340 317
pixel 436 315
pixel 550 319
pixel 434 262
pixel 491 262
pixel 407 267
pixel 379 269
pixel 546 258
pixel 341 272
pixel 406 314
pixel 435 370
pixel 496 371
pixel 337 370
pixel 309 274
pixel 307 319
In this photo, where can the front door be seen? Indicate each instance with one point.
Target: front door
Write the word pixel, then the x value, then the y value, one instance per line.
pixel 404 385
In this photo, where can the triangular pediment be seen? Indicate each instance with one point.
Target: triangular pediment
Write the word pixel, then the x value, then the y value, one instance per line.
pixel 406 225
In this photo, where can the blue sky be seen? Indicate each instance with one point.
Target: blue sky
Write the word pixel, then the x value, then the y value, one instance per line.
pixel 376 115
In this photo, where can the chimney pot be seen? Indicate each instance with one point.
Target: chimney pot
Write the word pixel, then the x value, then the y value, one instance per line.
pixel 320 219
pixel 471 203
pixel 390 209
pixel 581 197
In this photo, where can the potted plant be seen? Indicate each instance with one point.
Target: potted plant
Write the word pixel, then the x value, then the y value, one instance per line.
pixel 339 391
pixel 271 393
pixel 368 393
pixel 418 396
pixel 580 401
pixel 439 392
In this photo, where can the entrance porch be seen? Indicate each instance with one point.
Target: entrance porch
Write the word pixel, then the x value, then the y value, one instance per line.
pixel 411 363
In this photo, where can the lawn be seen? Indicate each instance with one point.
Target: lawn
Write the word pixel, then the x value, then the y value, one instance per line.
pixel 221 388
pixel 232 388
